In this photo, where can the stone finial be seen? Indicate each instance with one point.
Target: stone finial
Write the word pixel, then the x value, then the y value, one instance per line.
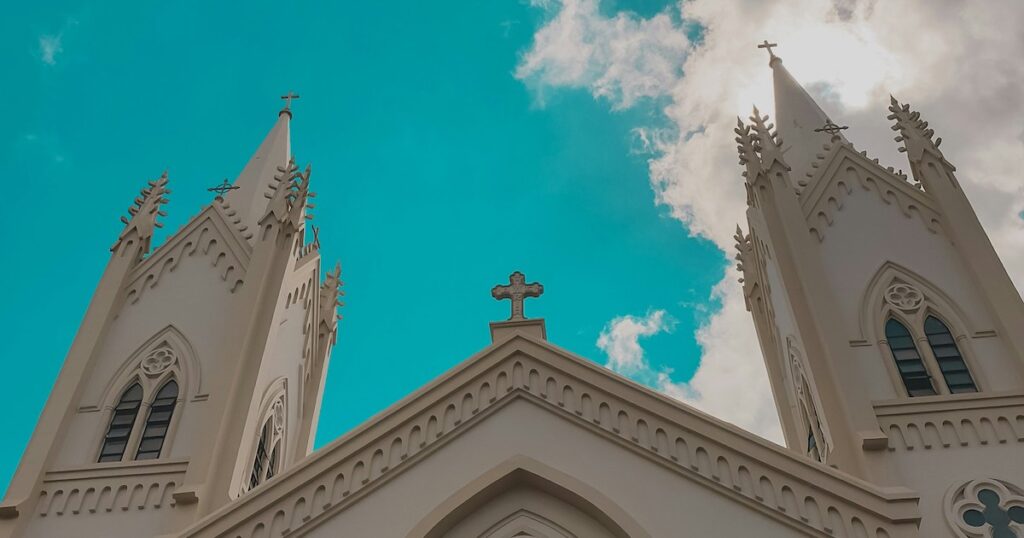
pixel 330 294
pixel 517 290
pixel 289 195
pixel 914 132
pixel 745 147
pixel 767 141
pixel 143 213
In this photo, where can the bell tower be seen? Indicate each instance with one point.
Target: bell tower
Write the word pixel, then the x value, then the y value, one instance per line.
pixel 197 373
pixel 890 328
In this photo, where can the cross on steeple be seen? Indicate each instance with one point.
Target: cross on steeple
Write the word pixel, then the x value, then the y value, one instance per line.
pixel 223 188
pixel 768 46
pixel 831 128
pixel 288 101
pixel 517 290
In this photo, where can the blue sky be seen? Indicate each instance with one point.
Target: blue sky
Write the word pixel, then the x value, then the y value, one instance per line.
pixel 438 174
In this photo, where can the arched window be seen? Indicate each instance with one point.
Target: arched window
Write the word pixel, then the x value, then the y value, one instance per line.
pixel 947 355
pixel 274 456
pixel 158 421
pixel 121 423
pixel 908 361
pixel 259 464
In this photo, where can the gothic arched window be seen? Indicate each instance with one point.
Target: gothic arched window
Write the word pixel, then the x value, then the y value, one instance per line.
pixel 947 355
pixel 121 423
pixel 260 462
pixel 159 420
pixel 908 361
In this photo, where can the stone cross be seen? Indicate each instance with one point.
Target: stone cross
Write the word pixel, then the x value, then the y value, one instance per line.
pixel 768 46
pixel 517 290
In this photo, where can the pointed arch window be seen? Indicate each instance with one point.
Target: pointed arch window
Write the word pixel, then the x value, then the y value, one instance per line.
pixel 260 461
pixel 158 421
pixel 908 360
pixel 947 355
pixel 121 424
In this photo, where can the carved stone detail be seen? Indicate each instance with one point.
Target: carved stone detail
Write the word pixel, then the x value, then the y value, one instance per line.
pixel 985 507
pixel 904 297
pixel 158 361
pixel 980 421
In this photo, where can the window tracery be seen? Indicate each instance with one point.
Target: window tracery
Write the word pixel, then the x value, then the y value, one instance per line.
pixel 142 420
pixel 923 333
pixel 267 454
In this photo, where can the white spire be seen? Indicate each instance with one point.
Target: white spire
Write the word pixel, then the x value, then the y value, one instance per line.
pixel 797 117
pixel 254 181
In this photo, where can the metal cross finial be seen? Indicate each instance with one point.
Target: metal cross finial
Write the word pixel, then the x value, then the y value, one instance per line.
pixel 223 188
pixel 769 46
pixel 517 290
pixel 831 128
pixel 288 100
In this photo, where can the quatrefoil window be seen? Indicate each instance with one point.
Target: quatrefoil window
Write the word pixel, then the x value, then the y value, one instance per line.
pixel 992 514
pixel 158 361
pixel 904 296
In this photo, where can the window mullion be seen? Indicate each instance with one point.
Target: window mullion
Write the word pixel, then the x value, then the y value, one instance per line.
pixel 931 363
pixel 135 438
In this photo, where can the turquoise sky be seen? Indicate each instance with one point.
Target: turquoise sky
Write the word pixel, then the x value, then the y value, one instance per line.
pixel 437 172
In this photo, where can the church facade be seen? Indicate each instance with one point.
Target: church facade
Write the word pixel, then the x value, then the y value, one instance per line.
pixel 892 336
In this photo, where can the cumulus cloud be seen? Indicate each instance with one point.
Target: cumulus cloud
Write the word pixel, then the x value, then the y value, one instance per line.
pixel 620 340
pixel 49 47
pixel 955 62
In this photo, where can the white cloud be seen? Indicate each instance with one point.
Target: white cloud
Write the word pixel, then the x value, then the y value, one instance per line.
pixel 49 47
pixel 955 62
pixel 620 340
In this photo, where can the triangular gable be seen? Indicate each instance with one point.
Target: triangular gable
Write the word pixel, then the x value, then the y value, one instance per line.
pixel 839 170
pixel 763 476
pixel 211 234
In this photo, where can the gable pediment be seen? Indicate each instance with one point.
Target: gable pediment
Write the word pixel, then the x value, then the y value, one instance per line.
pixel 209 234
pixel 684 442
pixel 841 171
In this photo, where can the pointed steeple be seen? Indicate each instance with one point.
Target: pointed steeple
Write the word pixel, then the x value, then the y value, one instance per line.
pixel 254 181
pixel 797 116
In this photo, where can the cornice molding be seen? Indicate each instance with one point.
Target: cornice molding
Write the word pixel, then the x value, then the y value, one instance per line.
pixel 103 488
pixel 208 234
pixel 840 170
pixel 947 421
pixel 811 497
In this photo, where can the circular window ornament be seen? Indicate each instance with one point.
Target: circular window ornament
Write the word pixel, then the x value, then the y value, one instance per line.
pixel 158 361
pixel 986 508
pixel 904 296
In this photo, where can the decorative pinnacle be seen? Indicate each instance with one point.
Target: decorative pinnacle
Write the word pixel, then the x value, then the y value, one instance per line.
pixel 767 141
pixel 144 212
pixel 914 132
pixel 330 292
pixel 745 147
pixel 742 249
pixel 290 194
